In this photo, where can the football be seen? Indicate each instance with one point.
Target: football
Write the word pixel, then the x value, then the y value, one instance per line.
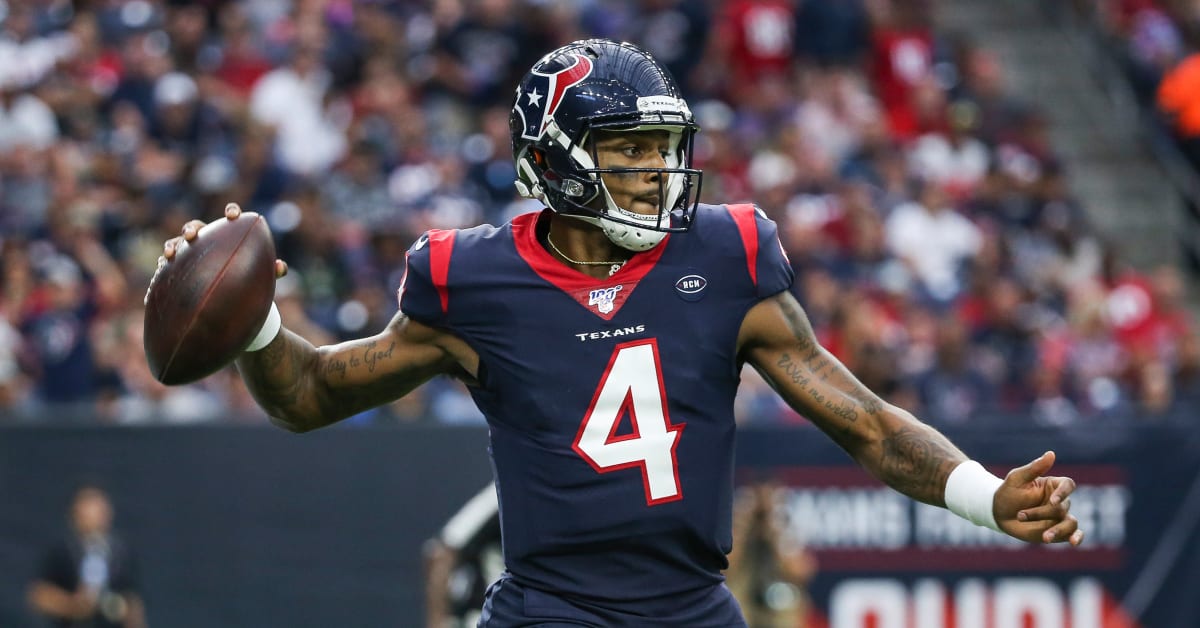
pixel 206 305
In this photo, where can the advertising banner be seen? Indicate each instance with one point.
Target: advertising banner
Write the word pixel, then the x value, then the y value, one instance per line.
pixel 885 561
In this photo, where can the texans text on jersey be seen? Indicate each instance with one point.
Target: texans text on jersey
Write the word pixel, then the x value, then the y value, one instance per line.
pixel 611 333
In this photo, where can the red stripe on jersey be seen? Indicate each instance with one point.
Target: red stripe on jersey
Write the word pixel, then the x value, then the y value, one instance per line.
pixel 441 245
pixel 403 282
pixel 743 217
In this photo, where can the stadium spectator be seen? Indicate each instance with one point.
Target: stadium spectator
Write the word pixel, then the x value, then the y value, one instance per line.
pixel 241 61
pixel 1085 350
pixel 836 114
pixel 90 577
pixel 673 31
pixel 752 49
pixel 901 63
pixel 484 52
pixel 1006 343
pixel 13 382
pixel 954 391
pixel 952 158
pixel 934 240
pixel 832 33
pixel 294 101
pixel 768 573
pixel 58 332
pixel 357 190
pixel 1179 99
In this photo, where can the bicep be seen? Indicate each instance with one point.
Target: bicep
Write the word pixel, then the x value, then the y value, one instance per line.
pixel 361 374
pixel 406 353
pixel 777 339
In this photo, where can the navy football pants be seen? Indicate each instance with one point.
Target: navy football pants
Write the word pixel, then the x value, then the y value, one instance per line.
pixel 511 605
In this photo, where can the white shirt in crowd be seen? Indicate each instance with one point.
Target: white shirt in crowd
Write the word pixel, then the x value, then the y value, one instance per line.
pixel 933 157
pixel 26 121
pixel 307 140
pixel 935 243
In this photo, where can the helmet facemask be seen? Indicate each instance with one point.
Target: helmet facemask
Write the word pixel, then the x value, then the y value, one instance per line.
pixel 583 193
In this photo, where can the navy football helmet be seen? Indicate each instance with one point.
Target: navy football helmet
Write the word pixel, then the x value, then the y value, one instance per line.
pixel 600 84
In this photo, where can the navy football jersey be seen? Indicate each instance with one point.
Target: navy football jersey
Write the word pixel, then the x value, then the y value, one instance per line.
pixel 609 401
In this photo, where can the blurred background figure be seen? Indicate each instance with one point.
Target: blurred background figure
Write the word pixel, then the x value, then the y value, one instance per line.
pixel 462 562
pixel 768 573
pixel 89 578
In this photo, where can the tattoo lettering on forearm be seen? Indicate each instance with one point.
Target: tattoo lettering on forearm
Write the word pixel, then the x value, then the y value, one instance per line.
pixel 336 366
pixel 798 375
pixel 844 410
pixel 848 397
pixel 794 371
pixel 372 356
pixel 917 463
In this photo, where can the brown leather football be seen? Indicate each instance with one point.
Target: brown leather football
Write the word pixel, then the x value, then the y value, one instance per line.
pixel 206 305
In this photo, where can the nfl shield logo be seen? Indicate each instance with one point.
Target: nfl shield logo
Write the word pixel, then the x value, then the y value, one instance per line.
pixel 603 298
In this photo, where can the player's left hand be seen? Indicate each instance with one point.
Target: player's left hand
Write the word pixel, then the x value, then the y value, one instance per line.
pixel 1036 508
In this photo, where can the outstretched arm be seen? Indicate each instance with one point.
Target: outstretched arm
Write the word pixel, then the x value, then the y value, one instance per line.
pixel 303 387
pixel 910 456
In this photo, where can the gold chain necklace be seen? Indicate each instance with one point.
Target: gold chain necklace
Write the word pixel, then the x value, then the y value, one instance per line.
pixel 613 266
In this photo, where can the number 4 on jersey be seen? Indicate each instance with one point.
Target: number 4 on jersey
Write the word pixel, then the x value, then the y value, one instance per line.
pixel 633 384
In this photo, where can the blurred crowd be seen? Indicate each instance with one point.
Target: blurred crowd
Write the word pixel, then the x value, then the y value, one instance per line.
pixel 1158 45
pixel 938 250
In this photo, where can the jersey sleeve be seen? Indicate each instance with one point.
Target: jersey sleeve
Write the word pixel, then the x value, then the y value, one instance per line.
pixel 766 261
pixel 424 293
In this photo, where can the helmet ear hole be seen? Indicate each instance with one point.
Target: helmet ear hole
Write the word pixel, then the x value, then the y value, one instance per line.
pixel 539 158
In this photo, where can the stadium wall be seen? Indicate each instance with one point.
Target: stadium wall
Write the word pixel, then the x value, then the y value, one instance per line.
pixel 255 527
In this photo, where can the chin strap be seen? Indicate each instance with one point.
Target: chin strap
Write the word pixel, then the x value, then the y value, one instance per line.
pixel 629 237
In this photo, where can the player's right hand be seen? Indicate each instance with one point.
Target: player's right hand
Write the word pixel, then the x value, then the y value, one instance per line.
pixel 189 232
pixel 192 228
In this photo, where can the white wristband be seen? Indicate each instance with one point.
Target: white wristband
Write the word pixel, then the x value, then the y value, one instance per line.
pixel 269 330
pixel 970 491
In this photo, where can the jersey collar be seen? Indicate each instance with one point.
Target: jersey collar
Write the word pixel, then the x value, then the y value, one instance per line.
pixel 569 279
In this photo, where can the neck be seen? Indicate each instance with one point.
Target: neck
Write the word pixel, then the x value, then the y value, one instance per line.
pixel 583 247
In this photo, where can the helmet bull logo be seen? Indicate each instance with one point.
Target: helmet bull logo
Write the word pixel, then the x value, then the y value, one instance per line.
pixel 554 87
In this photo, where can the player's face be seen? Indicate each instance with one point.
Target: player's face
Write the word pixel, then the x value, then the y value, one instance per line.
pixel 635 191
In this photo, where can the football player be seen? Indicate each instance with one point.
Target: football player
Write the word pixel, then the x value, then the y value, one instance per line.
pixel 603 339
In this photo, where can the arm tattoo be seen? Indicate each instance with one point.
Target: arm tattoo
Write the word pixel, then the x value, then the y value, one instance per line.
pixel 280 372
pixel 372 355
pixel 917 462
pixel 282 379
pixel 847 397
pixel 911 457
pixel 844 408
pixel 339 367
